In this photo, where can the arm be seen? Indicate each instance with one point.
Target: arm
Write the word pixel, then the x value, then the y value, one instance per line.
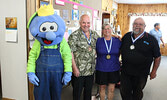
pixel 163 44
pixel 117 36
pixel 72 41
pixel 74 67
pixel 155 67
pixel 66 55
pixel 33 55
pixel 67 60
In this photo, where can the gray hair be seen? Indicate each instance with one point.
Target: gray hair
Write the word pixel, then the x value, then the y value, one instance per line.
pixel 105 24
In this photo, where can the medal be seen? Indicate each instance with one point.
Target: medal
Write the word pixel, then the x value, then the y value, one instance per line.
pixel 108 48
pixel 90 49
pixel 132 47
pixel 108 56
pixel 90 37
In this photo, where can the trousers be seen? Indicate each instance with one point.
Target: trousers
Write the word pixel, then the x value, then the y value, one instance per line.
pixel 49 70
pixel 132 86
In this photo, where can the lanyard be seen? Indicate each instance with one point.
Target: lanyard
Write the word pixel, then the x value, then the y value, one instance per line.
pixel 89 40
pixel 108 49
pixel 134 40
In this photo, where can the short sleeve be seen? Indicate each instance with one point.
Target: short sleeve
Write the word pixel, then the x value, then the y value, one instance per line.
pixel 97 43
pixel 160 34
pixel 156 49
pixel 123 39
pixel 96 36
pixel 72 40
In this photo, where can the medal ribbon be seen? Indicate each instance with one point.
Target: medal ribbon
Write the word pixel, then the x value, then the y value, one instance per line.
pixel 108 49
pixel 89 40
pixel 134 40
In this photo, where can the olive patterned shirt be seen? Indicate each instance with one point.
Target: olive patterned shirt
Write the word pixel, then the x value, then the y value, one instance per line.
pixel 84 54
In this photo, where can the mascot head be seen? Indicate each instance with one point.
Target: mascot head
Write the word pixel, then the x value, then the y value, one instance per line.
pixel 46 26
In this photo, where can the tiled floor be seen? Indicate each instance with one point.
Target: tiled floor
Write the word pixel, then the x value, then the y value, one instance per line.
pixel 155 89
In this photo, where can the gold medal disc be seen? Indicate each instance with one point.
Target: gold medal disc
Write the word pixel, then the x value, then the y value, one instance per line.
pixel 108 56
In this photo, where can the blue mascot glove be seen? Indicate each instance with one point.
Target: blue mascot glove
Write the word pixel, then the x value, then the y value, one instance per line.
pixel 33 78
pixel 66 77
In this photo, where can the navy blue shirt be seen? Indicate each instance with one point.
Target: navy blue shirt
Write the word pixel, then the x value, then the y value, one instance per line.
pixel 108 65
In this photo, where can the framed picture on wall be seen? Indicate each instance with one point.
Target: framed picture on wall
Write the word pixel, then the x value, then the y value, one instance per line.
pixel 75 14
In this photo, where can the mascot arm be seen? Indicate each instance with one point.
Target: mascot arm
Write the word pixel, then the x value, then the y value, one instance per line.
pixel 33 55
pixel 33 78
pixel 66 55
pixel 66 77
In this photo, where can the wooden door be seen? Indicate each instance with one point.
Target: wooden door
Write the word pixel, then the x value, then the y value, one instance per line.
pixel 105 19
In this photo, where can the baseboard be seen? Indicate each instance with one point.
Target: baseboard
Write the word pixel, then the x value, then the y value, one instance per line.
pixel 7 99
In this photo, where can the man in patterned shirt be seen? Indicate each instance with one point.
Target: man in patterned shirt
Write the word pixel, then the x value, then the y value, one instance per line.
pixel 82 43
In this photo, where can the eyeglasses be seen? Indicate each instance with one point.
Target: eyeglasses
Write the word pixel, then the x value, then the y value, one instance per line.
pixel 139 24
pixel 107 29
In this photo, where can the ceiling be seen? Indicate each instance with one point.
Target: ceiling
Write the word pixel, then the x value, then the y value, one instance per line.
pixel 141 1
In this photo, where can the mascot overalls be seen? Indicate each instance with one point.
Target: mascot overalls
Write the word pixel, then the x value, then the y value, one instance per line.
pixel 50 59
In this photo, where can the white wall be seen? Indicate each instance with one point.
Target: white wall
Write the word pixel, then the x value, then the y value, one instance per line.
pixel 13 56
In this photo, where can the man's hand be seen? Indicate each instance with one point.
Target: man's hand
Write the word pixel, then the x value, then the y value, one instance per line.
pixel 74 67
pixel 117 36
pixel 163 45
pixel 153 75
pixel 76 72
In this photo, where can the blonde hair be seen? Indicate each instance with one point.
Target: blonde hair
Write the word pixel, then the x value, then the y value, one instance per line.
pixel 105 24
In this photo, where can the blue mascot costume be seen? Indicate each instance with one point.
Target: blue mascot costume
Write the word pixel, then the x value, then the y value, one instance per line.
pixel 50 59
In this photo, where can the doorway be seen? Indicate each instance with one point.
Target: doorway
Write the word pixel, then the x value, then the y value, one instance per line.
pixel 105 18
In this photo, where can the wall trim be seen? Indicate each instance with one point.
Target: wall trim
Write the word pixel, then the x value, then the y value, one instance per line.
pixel 7 99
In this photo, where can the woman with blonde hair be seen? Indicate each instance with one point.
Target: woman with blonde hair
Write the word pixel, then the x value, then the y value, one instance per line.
pixel 107 65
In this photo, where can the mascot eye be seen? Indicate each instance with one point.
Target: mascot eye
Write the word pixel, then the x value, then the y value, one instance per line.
pixel 51 27
pixel 44 29
pixel 48 26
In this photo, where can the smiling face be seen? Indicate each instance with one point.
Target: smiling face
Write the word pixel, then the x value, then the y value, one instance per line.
pixel 48 30
pixel 107 31
pixel 85 23
pixel 138 26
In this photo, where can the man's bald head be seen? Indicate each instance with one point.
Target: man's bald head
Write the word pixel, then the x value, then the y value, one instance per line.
pixel 84 16
pixel 85 23
pixel 139 19
pixel 138 25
